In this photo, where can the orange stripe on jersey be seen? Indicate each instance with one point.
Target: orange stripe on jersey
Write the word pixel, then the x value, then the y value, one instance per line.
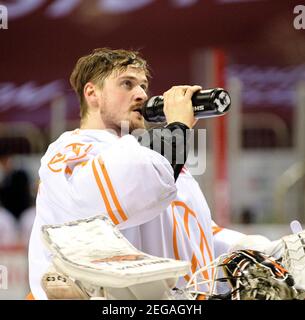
pixel 74 145
pixel 30 297
pixel 88 148
pixel 57 158
pixel 68 170
pixel 182 204
pixel 111 189
pixel 208 249
pixel 216 229
pixel 76 158
pixel 104 196
pixel 76 149
pixel 203 240
pixel 206 242
pixel 186 223
pixel 175 245
pixel 195 262
pixel 175 242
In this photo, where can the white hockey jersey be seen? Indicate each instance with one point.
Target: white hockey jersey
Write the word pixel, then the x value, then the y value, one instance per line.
pixel 90 172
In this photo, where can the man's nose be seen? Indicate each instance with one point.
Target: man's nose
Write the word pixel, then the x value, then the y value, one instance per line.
pixel 141 94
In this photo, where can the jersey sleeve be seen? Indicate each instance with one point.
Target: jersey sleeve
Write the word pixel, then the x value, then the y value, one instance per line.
pixel 129 183
pixel 224 239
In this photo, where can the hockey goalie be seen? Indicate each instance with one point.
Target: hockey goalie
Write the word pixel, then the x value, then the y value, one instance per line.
pixel 93 260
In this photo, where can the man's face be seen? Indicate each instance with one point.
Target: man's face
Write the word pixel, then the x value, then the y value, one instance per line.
pixel 121 98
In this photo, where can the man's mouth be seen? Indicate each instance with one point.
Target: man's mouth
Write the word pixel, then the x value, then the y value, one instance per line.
pixel 139 110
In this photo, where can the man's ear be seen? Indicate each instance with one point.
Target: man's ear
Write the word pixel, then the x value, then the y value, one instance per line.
pixel 90 93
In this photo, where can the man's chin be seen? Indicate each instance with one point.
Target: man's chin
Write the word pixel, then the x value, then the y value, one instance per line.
pixel 137 124
pixel 127 127
pixel 137 128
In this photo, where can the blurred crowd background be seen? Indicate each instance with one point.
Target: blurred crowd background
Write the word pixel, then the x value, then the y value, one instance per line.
pixel 255 157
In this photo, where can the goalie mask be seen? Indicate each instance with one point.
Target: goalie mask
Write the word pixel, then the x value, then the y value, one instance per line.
pixel 244 275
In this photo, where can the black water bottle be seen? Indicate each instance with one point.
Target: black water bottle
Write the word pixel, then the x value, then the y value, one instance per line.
pixel 206 103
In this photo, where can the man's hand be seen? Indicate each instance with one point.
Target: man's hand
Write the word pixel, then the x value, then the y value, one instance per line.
pixel 178 104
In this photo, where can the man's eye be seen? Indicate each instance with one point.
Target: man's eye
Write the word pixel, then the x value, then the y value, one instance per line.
pixel 144 87
pixel 127 83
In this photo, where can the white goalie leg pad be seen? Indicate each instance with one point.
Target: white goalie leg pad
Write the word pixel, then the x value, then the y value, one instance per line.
pixel 99 258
